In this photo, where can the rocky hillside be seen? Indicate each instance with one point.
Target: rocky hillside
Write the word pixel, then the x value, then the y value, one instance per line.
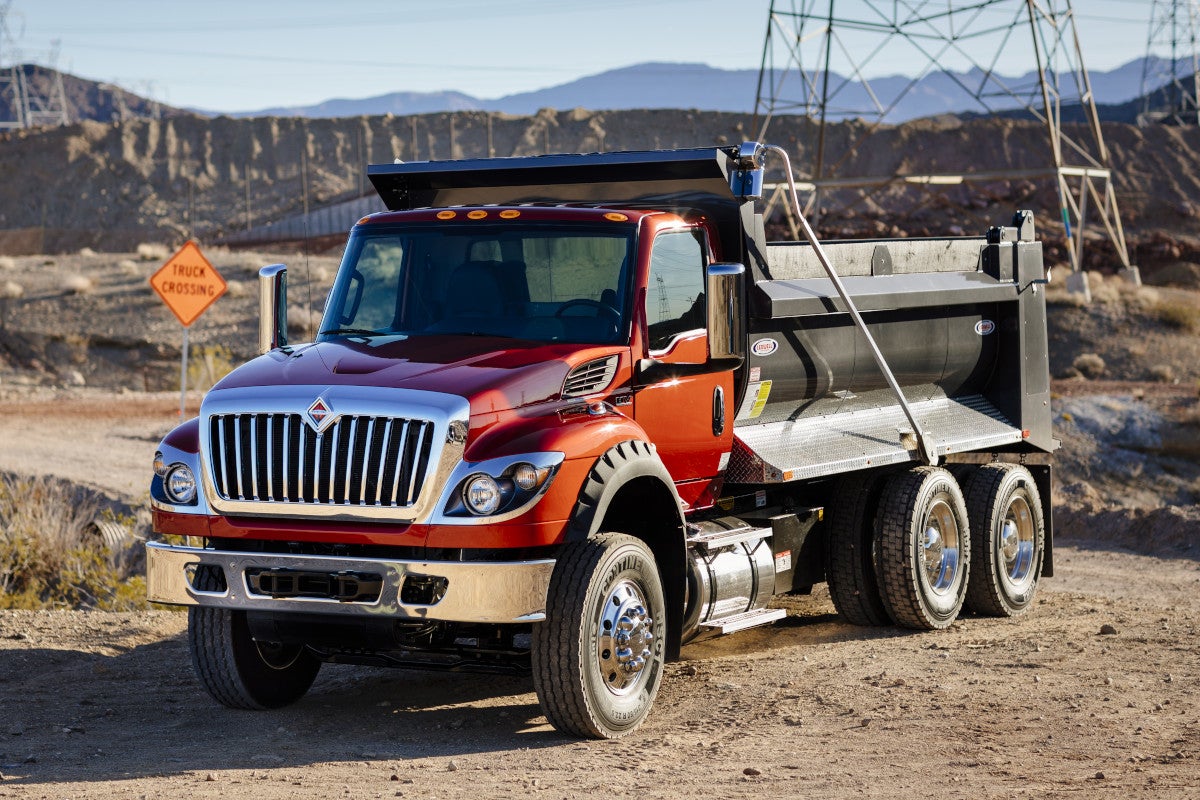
pixel 110 186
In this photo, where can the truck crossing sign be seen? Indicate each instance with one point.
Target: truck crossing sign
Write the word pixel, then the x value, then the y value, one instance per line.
pixel 188 283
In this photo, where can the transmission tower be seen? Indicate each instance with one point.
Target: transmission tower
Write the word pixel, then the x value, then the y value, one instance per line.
pixel 818 56
pixel 12 77
pixel 1171 85
pixel 34 95
pixel 45 96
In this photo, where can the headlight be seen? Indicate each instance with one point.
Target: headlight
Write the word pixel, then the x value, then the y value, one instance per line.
pixel 180 484
pixel 481 494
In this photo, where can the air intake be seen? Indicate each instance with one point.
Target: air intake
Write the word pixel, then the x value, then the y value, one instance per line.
pixel 590 377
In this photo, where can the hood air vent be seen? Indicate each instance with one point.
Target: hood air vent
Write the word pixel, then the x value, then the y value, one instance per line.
pixel 590 377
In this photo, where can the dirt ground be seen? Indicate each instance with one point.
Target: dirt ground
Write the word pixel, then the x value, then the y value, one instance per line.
pixel 106 706
pixel 1095 693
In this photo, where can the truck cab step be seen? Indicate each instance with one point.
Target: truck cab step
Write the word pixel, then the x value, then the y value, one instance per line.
pixel 747 619
pixel 714 540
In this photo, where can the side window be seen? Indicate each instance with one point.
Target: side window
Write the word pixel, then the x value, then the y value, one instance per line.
pixel 373 304
pixel 675 296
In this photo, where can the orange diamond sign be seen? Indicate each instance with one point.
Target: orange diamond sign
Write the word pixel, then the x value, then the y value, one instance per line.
pixel 188 283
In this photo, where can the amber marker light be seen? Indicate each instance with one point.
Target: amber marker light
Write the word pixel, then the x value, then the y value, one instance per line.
pixel 363 220
pixel 511 213
pixel 476 214
pixel 446 215
pixel 615 217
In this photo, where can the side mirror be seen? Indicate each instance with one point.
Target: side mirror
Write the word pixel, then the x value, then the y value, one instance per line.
pixel 726 318
pixel 272 307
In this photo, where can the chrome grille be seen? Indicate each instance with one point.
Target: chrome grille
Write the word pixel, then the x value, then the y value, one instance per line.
pixel 590 377
pixel 357 461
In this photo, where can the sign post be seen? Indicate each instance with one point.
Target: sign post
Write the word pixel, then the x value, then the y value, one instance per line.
pixel 188 284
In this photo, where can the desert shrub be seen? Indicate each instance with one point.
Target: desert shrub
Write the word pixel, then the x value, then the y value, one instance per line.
pixel 8 262
pixel 1163 373
pixel 152 252
pixel 77 284
pixel 1180 316
pixel 1090 365
pixel 51 555
pixel 208 364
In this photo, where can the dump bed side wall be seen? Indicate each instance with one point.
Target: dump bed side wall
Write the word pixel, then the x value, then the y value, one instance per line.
pixel 956 319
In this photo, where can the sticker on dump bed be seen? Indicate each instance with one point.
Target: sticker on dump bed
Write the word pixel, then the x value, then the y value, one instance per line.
pixel 783 561
pixel 764 347
pixel 755 400
pixel 984 327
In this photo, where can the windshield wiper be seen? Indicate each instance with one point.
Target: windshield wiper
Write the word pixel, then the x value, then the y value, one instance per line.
pixel 354 332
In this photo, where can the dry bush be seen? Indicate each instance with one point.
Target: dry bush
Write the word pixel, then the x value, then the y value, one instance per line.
pixel 1179 316
pixel 300 320
pixel 11 291
pixel 1089 365
pixel 1163 373
pixel 87 252
pixel 7 262
pixel 152 252
pixel 236 288
pixel 129 267
pixel 207 365
pixel 77 284
pixel 51 555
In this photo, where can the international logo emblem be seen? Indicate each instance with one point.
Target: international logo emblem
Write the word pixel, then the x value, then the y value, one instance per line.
pixel 320 415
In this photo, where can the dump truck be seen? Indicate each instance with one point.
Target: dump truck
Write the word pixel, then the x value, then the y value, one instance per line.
pixel 566 413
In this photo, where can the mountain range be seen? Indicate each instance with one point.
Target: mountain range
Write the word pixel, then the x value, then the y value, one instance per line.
pixel 705 88
pixel 655 85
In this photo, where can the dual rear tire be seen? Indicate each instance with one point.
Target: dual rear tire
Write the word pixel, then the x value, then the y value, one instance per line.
pixel 914 549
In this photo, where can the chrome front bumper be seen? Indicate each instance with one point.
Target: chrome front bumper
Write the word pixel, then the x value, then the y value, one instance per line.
pixel 494 592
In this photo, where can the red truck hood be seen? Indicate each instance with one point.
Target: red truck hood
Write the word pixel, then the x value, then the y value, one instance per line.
pixel 493 374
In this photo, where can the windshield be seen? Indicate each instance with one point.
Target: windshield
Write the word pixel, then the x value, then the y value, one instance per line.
pixel 546 282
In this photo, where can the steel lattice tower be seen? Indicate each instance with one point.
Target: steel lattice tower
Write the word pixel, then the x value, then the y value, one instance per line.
pixel 1170 86
pixel 12 77
pixel 817 55
pixel 32 103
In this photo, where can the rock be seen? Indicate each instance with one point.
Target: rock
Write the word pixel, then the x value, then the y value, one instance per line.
pixel 453 766
pixel 752 772
pixel 1107 630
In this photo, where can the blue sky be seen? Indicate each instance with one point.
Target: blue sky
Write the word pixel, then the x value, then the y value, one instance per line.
pixel 236 55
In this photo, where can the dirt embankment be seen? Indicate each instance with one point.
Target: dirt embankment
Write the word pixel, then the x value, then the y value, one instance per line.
pixel 113 185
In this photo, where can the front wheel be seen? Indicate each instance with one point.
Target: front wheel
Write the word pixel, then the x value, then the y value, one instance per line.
pixel 598 656
pixel 238 671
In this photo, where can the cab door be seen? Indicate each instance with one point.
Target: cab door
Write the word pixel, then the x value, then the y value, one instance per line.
pixel 688 418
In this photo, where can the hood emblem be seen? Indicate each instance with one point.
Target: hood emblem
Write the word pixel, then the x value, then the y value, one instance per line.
pixel 320 415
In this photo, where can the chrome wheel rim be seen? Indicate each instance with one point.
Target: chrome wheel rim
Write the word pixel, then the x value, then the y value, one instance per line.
pixel 624 639
pixel 940 554
pixel 1015 545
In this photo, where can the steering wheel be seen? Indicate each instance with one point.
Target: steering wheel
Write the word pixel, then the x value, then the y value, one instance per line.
pixel 600 308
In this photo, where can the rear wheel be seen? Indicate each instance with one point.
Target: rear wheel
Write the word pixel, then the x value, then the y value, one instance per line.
pixel 850 556
pixel 238 671
pixel 1008 537
pixel 598 656
pixel 924 548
